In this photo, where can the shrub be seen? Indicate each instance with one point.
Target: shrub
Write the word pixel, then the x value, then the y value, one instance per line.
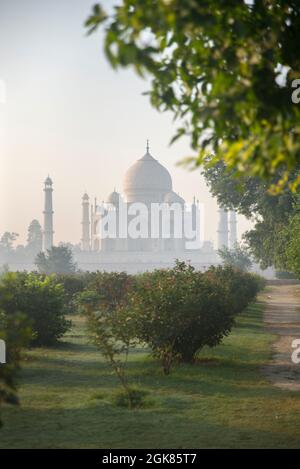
pixel 41 300
pixel 14 330
pixel 111 288
pixel 178 311
pixel 73 285
pixel 241 287
pixel 175 311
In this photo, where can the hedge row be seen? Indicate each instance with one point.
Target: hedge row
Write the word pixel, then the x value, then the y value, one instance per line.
pixel 175 311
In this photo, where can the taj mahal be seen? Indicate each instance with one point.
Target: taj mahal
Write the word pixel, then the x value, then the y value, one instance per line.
pixel 146 183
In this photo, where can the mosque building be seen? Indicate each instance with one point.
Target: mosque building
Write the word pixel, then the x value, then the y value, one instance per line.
pixel 146 184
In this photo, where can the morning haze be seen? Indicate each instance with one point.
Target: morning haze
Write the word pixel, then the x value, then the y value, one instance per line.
pixel 68 114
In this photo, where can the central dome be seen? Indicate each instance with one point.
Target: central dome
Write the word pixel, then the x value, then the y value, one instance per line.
pixel 147 180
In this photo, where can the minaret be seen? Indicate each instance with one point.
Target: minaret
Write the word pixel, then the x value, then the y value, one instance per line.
pixel 85 241
pixel 92 228
pixel 233 229
pixel 223 229
pixel 48 216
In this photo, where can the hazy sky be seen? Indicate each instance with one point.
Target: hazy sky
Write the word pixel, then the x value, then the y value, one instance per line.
pixel 68 114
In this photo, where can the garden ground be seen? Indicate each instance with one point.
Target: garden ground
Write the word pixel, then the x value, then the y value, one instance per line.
pixel 221 401
pixel 281 370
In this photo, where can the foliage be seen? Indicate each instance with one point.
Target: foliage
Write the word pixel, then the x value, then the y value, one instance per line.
pixel 224 68
pixel 34 238
pixel 251 197
pixel 4 268
pixel 241 287
pixel 238 257
pixel 41 300
pixel 175 311
pixel 109 325
pixel 58 259
pixel 178 311
pixel 111 288
pixel 291 236
pixel 7 240
pixel 73 285
pixel 14 330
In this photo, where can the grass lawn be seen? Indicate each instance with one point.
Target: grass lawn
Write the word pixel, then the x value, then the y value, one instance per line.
pixel 222 401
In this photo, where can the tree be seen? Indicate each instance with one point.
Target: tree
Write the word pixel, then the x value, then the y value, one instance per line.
pixel 225 68
pixel 109 325
pixel 7 240
pixel 290 235
pixel 34 238
pixel 4 268
pixel 56 260
pixel 269 212
pixel 238 257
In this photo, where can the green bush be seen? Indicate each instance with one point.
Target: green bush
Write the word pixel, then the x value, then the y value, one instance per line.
pixel 111 288
pixel 175 311
pixel 41 299
pixel 241 287
pixel 178 311
pixel 14 330
pixel 73 285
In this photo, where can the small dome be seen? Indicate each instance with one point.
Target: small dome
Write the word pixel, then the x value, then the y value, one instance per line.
pixel 48 181
pixel 172 198
pixel 85 197
pixel 113 198
pixel 147 175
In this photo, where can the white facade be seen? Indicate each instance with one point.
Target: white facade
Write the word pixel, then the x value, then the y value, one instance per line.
pixel 146 182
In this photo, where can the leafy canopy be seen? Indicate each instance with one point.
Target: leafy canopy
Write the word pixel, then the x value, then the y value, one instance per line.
pixel 270 213
pixel 224 68
pixel 237 257
pixel 58 259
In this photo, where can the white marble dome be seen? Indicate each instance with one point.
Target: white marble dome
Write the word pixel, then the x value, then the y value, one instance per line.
pixel 147 180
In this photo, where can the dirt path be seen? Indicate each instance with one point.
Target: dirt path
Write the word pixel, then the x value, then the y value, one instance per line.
pixel 282 317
